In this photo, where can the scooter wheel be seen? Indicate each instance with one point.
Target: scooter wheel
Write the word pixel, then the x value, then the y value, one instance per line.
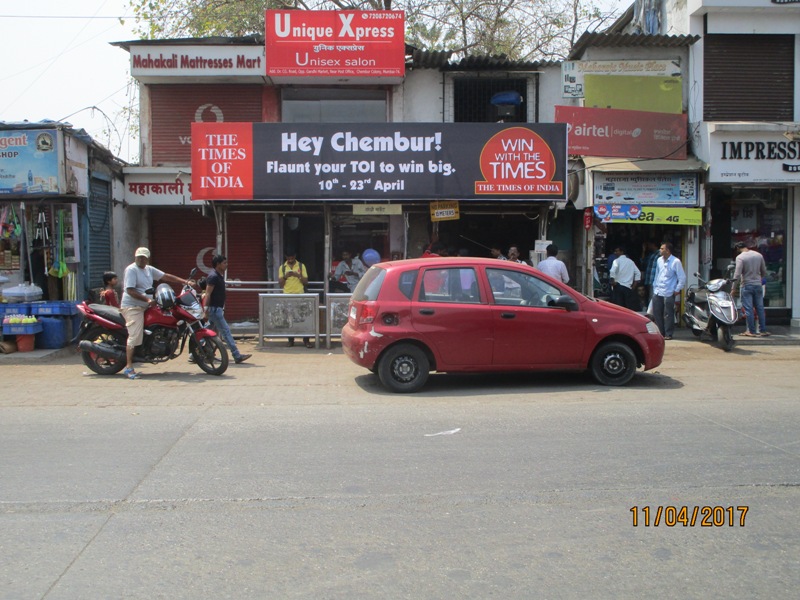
pixel 724 337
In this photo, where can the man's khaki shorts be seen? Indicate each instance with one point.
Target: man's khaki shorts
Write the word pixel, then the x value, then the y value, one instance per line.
pixel 134 321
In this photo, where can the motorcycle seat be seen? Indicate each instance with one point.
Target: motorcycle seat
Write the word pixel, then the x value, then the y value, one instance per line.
pixel 111 313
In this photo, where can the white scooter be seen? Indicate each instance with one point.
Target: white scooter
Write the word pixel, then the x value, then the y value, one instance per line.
pixel 710 309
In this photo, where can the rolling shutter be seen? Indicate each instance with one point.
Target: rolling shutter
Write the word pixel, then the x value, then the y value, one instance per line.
pixel 175 107
pixel 99 243
pixel 748 78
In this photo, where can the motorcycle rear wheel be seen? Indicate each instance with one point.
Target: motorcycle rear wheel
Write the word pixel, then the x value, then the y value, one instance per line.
pixel 724 337
pixel 100 364
pixel 210 355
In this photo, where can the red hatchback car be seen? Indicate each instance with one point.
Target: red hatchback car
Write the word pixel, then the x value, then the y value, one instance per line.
pixel 410 317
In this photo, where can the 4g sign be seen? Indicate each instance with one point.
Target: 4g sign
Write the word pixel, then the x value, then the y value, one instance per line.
pixel 661 215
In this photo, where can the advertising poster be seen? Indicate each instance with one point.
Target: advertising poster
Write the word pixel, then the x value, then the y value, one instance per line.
pixel 648 215
pixel 29 162
pixel 341 43
pixel 646 188
pixel 386 161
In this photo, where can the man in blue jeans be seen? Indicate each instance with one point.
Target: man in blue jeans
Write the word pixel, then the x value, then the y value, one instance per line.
pixel 214 304
pixel 750 271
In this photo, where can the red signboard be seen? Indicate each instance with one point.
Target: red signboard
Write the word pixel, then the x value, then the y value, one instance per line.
pixel 335 43
pixel 623 133
pixel 222 161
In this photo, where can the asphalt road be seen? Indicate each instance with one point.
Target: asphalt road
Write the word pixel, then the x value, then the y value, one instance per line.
pixel 297 476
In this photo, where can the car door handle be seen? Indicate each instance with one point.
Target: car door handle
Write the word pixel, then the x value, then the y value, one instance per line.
pixel 507 315
pixel 426 311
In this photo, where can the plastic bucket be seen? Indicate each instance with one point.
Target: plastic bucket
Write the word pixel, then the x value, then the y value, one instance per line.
pixel 25 343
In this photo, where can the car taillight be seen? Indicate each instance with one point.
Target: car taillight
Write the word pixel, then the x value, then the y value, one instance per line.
pixel 367 313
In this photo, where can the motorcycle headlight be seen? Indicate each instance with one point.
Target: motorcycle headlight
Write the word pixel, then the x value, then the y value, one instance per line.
pixel 652 328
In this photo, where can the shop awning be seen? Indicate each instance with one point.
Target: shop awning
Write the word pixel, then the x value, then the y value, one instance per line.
pixel 605 163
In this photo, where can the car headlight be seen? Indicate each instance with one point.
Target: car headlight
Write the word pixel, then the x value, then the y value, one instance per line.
pixel 652 328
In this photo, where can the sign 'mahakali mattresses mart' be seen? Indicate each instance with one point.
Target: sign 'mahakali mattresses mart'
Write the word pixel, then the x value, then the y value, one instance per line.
pixel 361 161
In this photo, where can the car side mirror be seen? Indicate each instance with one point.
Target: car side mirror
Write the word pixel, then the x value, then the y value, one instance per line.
pixel 567 302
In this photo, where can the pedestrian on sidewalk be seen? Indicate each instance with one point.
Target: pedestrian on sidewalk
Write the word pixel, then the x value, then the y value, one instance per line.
pixel 750 271
pixel 623 276
pixel 667 285
pixel 214 305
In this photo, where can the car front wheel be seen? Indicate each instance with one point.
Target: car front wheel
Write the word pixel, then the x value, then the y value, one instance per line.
pixel 613 363
pixel 404 369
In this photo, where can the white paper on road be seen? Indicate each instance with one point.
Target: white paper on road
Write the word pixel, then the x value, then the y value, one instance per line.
pixel 450 432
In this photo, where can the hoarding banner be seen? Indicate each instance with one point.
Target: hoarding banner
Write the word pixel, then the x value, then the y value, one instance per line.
pixel 648 215
pixel 335 43
pixel 572 72
pixel 646 188
pixel 624 133
pixel 361 161
pixel 29 162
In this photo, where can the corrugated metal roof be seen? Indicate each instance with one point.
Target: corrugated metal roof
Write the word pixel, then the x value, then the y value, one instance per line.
pixel 629 40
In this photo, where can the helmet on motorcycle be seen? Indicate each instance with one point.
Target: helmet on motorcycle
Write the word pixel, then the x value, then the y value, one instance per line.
pixel 165 296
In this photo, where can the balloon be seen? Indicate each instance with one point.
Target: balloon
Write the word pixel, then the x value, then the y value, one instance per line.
pixel 370 257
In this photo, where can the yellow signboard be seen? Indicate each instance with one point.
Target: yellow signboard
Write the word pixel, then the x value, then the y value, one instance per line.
pixel 625 92
pixel 661 215
pixel 445 210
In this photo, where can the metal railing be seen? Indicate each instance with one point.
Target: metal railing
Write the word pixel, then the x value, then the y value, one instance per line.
pixel 273 287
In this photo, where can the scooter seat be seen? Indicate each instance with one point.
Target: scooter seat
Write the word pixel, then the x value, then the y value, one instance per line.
pixel 112 313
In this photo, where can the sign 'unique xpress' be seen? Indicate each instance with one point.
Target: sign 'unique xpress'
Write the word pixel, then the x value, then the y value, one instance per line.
pixel 335 43
pixel 361 161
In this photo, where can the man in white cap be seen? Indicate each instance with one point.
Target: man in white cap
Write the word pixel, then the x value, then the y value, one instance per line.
pixel 139 277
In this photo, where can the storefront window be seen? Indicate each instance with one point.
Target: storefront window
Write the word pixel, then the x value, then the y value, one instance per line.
pixel 758 218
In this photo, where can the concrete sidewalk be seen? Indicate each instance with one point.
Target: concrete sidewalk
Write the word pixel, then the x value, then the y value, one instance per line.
pixel 780 336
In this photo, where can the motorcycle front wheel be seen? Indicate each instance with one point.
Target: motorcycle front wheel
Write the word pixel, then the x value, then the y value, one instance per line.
pixel 210 355
pixel 100 364
pixel 724 337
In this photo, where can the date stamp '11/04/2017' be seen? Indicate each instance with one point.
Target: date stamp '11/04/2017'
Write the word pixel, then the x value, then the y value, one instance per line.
pixel 689 516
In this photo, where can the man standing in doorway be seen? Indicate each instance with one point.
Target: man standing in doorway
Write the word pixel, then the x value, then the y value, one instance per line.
pixel 623 276
pixel 667 285
pixel 750 271
pixel 552 266
pixel 214 305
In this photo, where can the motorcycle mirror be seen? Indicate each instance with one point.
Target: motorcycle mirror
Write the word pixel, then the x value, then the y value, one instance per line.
pixel 193 274
pixel 697 275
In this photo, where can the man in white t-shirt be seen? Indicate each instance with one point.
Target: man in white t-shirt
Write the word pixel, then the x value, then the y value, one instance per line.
pixel 139 277
pixel 623 276
pixel 552 266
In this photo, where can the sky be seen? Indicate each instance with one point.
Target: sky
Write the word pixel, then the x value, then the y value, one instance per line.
pixel 57 63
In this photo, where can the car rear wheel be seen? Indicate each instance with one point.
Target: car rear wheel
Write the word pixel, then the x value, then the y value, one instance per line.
pixel 614 363
pixel 404 369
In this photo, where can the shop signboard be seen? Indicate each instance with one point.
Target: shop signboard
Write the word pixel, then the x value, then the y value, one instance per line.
pixel 623 133
pixel 626 92
pixel 151 188
pixel 445 210
pixel 148 62
pixel 648 215
pixel 29 162
pixel 754 157
pixel 341 44
pixel 572 72
pixel 379 161
pixel 652 188
pixel 377 209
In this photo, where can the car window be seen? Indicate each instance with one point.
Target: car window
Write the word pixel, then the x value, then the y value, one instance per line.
pixel 407 282
pixel 512 288
pixel 458 285
pixel 370 285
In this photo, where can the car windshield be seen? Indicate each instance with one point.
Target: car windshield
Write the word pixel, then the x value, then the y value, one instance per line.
pixel 370 285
